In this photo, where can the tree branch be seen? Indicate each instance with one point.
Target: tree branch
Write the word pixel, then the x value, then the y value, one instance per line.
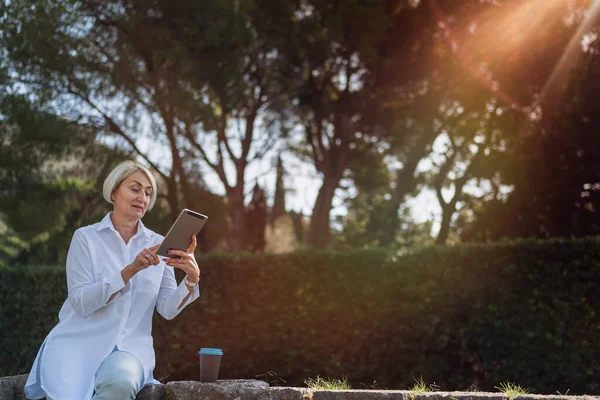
pixel 115 128
pixel 441 176
pixel 217 167
pixel 315 151
pixel 317 111
pixel 268 146
pixel 247 140
pixel 221 134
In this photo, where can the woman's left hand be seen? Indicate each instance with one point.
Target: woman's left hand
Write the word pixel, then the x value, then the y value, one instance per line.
pixel 185 261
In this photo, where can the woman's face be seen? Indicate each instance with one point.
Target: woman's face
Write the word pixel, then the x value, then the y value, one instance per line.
pixel 132 197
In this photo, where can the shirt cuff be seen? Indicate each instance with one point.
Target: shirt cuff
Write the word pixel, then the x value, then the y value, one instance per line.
pixel 182 291
pixel 115 282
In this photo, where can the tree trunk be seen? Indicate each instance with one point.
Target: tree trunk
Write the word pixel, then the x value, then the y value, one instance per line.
pixel 406 182
pixel 319 230
pixel 297 219
pixel 256 221
pixel 183 184
pixel 278 209
pixel 237 213
pixel 447 213
pixel 172 198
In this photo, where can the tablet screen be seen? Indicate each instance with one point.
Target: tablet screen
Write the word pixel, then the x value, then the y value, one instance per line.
pixel 179 236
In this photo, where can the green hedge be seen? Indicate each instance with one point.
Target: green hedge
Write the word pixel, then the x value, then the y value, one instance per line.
pixel 524 312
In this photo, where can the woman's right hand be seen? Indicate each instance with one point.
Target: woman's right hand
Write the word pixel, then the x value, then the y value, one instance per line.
pixel 146 258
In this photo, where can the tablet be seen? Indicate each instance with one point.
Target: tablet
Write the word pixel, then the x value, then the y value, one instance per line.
pixel 179 236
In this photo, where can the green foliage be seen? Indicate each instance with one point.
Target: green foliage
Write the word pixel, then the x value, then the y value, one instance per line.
pixel 469 315
pixel 10 246
pixel 148 71
pixel 197 68
pixel 46 161
pixel 422 387
pixel 30 297
pixel 511 390
pixel 327 384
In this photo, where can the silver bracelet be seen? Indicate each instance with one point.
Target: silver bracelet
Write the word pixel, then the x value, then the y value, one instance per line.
pixel 190 284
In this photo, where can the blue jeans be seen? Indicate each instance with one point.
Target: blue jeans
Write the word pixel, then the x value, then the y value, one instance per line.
pixel 120 377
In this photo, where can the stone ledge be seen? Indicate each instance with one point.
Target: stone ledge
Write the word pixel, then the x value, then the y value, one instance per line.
pixel 408 395
pixel 6 390
pixel 224 390
pixel 11 388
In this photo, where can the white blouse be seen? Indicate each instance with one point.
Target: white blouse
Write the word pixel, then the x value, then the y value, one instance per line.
pixel 88 327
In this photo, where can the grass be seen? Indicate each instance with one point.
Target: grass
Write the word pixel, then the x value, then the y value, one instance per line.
pixel 472 388
pixel 422 387
pixel 272 378
pixel 327 384
pixel 511 390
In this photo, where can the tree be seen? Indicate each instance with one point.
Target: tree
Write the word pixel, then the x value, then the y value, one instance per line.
pixel 553 172
pixel 257 220
pixel 64 52
pixel 469 140
pixel 547 72
pixel 181 72
pixel 478 66
pixel 334 51
pixel 278 208
pixel 244 84
pixel 418 77
pixel 50 175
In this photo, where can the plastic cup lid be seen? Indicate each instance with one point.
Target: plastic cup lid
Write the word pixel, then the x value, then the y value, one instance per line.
pixel 210 351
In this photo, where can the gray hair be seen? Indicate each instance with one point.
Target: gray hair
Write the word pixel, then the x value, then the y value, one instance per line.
pixel 120 173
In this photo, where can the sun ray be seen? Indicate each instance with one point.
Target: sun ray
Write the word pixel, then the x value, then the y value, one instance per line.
pixel 511 30
pixel 571 56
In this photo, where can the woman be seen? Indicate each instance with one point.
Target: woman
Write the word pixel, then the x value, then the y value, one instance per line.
pixel 101 347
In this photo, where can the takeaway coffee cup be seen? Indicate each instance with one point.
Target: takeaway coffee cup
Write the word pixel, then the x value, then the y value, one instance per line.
pixel 210 361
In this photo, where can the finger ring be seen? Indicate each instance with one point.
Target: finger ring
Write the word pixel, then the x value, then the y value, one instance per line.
pixel 147 256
